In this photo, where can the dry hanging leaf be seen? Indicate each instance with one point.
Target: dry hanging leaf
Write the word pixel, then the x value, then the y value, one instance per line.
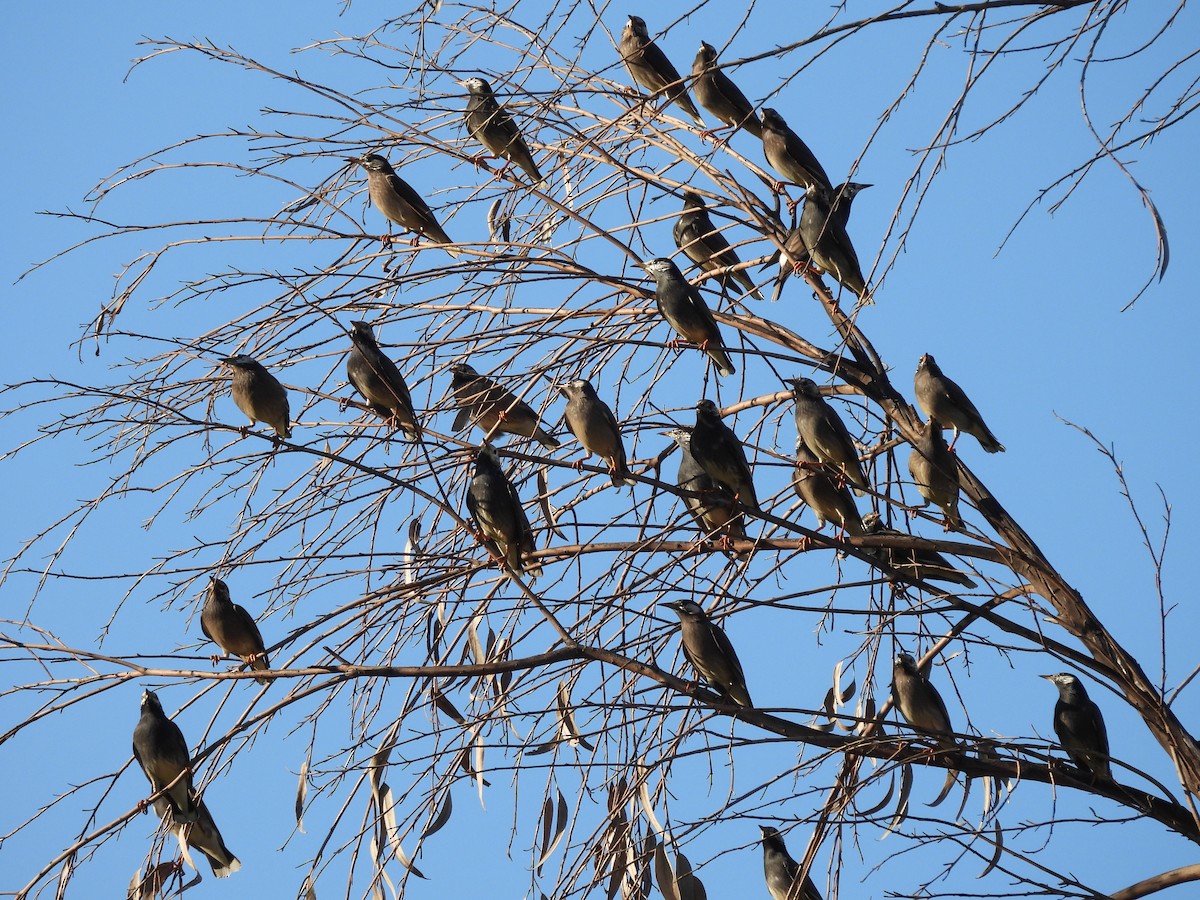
pixel 302 792
pixel 442 817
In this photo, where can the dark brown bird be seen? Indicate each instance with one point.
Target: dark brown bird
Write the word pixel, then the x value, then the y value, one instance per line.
pixel 493 408
pixel 651 69
pixel 494 505
pixel 591 420
pixel 161 751
pixel 718 94
pixel 491 125
pixel 942 399
pixel 698 238
pixel 828 242
pixel 934 471
pixel 203 835
pixel 781 871
pixel 824 491
pixel 927 565
pixel 825 434
pixel 399 203
pixel 1080 726
pixel 259 394
pixel 683 306
pixel 794 256
pixel 721 455
pixel 231 628
pixel 379 381
pixel 707 648
pixel 919 701
pixel 715 511
pixel 788 155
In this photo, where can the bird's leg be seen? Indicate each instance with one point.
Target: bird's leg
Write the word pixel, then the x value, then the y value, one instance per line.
pixel 244 430
pixel 478 160
pixel 676 343
pixel 707 134
pixel 577 465
pixel 954 440
pixel 216 658
pixel 342 404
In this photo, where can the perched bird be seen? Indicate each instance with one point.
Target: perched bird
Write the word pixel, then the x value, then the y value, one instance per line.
pixel 782 871
pixel 715 511
pixel 788 155
pixel 718 94
pixel 928 565
pixel 697 236
pixel 1080 727
pixel 794 256
pixel 721 455
pixel 708 649
pixel 496 509
pixel 934 471
pixel 491 125
pixel 231 628
pixel 161 751
pixel 825 434
pixel 651 69
pixel 828 242
pixel 203 835
pixel 685 310
pixel 259 394
pixel 824 491
pixel 942 399
pixel 399 203
pixel 493 408
pixel 919 702
pixel 379 380
pixel 593 423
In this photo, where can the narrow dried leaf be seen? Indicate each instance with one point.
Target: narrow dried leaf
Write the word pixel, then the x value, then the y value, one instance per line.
pixel 499 225
pixel 887 799
pixel 690 887
pixel 442 702
pixel 827 703
pixel 946 786
pixel 848 693
pixel 998 840
pixel 566 718
pixel 412 551
pixel 302 792
pixel 310 892
pixel 479 782
pixel 548 512
pixel 906 780
pixel 648 808
pixel 378 765
pixel 645 873
pixel 387 804
pixel 64 877
pixel 664 874
pixel 442 817
pixel 560 828
pixel 477 651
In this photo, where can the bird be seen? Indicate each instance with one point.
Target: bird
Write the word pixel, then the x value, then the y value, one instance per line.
pixel 231 628
pixel 259 394
pixel 682 305
pixel 825 434
pixel 591 420
pixel 493 408
pixel 721 455
pixel 944 400
pixel 399 203
pixel 794 256
pixel 651 69
pixel 788 155
pixel 496 509
pixel 491 125
pixel 379 380
pixel 927 565
pixel 919 702
pixel 161 751
pixel 934 471
pixel 715 511
pixel 1080 727
pixel 781 871
pixel 825 492
pixel 203 835
pixel 701 242
pixel 719 96
pixel 709 651
pixel 828 242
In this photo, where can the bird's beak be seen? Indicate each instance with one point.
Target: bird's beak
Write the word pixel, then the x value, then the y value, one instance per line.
pixel 1047 677
pixel 672 605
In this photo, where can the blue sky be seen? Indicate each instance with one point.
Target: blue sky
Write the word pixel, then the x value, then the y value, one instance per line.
pixel 1035 333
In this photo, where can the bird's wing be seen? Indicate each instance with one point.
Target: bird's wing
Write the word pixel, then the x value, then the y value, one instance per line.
pixel 246 621
pixel 408 195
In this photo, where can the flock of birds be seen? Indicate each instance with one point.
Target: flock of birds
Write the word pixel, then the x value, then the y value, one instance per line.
pixel 714 473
